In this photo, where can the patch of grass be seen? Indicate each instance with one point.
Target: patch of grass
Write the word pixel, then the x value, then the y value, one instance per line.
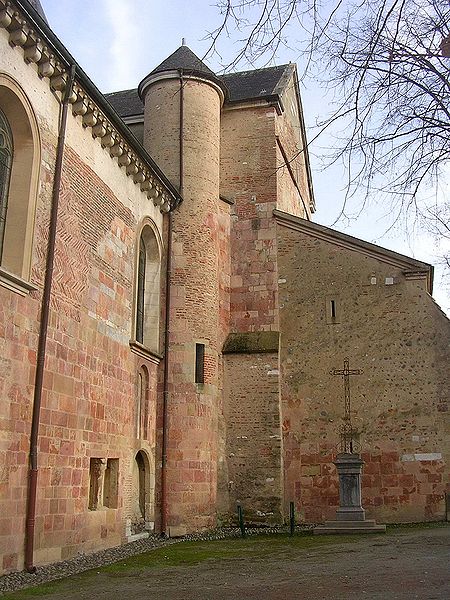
pixel 187 554
pixel 190 553
pixel 184 553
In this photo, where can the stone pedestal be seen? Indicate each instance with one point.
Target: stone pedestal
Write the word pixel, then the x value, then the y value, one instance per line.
pixel 350 516
pixel 349 468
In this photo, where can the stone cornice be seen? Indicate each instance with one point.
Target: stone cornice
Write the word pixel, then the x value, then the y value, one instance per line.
pixel 153 78
pixel 411 268
pixel 54 68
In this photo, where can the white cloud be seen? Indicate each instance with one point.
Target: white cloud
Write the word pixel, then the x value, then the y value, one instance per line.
pixel 123 22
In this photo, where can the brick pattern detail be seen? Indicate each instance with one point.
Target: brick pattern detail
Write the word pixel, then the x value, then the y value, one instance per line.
pixel 85 413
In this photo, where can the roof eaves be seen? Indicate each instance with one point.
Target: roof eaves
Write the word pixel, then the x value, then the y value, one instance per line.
pixel 271 99
pixel 408 264
pixel 95 93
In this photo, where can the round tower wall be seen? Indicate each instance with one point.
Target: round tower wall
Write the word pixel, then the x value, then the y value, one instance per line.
pixel 194 314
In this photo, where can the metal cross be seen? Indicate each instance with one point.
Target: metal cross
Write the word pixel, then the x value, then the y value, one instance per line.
pixel 347 431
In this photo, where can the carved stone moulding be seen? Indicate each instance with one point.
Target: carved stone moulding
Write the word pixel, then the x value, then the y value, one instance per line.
pixel 21 35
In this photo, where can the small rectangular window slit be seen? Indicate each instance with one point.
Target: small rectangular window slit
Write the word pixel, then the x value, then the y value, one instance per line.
pixel 199 363
pixel 333 309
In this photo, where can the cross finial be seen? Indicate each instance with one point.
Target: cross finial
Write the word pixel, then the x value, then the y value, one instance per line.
pixel 347 432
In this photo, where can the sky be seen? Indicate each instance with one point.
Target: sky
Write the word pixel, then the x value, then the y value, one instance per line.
pixel 118 42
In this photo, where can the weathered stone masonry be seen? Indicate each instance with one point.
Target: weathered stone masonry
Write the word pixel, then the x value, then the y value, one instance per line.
pixel 263 304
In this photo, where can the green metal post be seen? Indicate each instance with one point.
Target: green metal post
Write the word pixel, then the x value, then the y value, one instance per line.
pixel 241 520
pixel 291 518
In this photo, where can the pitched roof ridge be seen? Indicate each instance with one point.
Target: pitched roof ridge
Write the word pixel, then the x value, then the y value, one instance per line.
pixel 357 243
pixel 134 89
pixel 231 73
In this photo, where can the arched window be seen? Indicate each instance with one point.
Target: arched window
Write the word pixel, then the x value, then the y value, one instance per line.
pixel 148 290
pixel 142 404
pixel 6 157
pixel 19 179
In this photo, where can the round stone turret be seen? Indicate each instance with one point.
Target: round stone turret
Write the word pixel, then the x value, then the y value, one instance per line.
pixel 181 76
pixel 182 104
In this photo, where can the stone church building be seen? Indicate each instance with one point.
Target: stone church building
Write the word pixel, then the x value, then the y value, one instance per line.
pixel 170 314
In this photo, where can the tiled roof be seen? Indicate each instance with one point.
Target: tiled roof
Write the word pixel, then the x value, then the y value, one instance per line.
pixel 183 58
pixel 246 85
pixel 258 83
pixel 126 103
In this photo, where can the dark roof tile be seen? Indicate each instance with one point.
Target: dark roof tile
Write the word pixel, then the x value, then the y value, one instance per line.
pixel 258 83
pixel 183 58
pixel 246 85
pixel 126 103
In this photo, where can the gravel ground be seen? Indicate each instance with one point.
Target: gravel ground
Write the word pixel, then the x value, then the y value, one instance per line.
pixel 404 564
pixel 85 562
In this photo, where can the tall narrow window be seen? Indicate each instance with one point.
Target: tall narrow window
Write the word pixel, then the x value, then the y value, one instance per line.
pixel 6 157
pixel 199 363
pixel 141 292
pixel 20 154
pixel 148 290
pixel 142 404
pixel 333 308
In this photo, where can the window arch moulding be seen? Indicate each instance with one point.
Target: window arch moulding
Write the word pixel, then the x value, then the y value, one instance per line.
pixel 147 293
pixel 20 192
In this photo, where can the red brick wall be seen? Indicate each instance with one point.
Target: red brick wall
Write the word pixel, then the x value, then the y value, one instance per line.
pixel 89 393
pixel 248 176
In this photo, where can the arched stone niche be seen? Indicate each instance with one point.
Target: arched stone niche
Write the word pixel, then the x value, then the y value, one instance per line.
pixel 24 179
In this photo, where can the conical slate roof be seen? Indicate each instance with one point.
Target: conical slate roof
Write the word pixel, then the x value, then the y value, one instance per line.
pixel 38 8
pixel 183 58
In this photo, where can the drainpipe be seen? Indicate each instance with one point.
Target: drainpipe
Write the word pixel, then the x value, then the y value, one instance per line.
pixel 45 311
pixel 167 329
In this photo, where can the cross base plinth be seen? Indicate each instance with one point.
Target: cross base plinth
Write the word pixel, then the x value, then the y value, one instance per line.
pixel 350 516
pixel 349 527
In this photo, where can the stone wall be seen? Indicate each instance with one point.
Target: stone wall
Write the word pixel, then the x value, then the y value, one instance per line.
pixel 89 402
pixel 387 324
pixel 252 417
pixel 248 176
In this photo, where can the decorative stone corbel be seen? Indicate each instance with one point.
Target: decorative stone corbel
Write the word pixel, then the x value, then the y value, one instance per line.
pixel 79 108
pixel 132 168
pixel 139 177
pixel 108 140
pixel 19 36
pixel 90 118
pixel 47 66
pixel 124 159
pixel 58 82
pixel 116 150
pixel 33 52
pixel 99 131
pixel 6 16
